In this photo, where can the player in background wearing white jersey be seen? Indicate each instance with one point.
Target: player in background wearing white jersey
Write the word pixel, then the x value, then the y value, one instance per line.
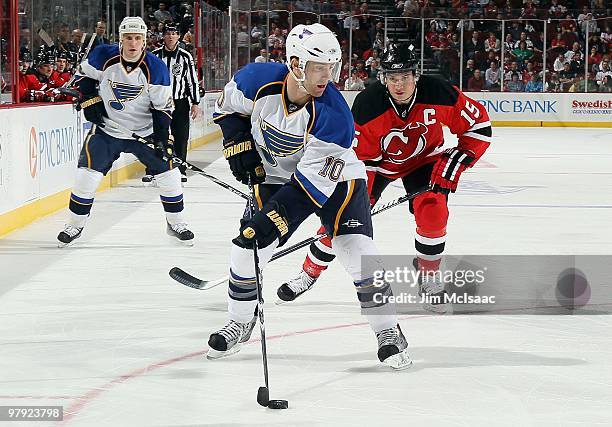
pixel 398 135
pixel 288 130
pixel 128 86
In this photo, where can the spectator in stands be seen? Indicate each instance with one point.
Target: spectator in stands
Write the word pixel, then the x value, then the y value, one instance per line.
pixel 379 41
pixel 523 39
pixel 595 41
pixel 515 30
pixel 374 70
pixel 492 43
pixel 354 82
pixel 535 84
pixel 188 36
pixel 100 37
pixel 63 37
pixel 361 71
pixel 263 56
pixel 468 72
pixel 553 84
pixel 514 69
pixel 529 11
pixel 594 59
pixel 515 84
pixel 604 71
pixel 556 10
pixel 492 77
pixel 606 36
pixel 566 77
pixel 375 56
pixel 476 82
pixel 243 43
pixel 588 25
pixel 522 54
pixel 575 56
pixel 508 43
pixel 474 45
pixel 580 83
pixel 538 44
pixel 162 14
pixel 74 45
pixel 606 84
pixel 558 43
pixel 559 63
pixel 276 36
pixel 258 35
pixel 529 71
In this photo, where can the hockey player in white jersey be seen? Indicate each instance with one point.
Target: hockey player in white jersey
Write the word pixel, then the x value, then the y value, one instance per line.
pixel 290 132
pixel 125 85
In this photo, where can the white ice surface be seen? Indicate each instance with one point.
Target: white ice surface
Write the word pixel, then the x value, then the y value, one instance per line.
pixel 101 329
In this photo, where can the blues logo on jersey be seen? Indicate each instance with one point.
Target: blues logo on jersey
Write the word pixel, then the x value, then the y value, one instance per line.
pixel 278 143
pixel 123 92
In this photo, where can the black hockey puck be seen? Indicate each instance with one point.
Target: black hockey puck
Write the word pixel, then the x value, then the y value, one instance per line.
pixel 278 404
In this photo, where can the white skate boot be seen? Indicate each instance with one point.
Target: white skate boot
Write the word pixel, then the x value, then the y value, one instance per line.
pixel 228 340
pixel 292 289
pixel 392 348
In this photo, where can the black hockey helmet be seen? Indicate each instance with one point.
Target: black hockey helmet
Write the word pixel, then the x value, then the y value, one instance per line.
pixel 44 57
pixel 171 28
pixel 399 58
pixel 25 56
pixel 61 54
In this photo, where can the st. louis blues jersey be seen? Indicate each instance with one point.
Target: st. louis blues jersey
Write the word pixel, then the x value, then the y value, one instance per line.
pixel 310 144
pixel 129 94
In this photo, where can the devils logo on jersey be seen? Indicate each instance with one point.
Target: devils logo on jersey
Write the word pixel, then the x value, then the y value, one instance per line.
pixel 399 145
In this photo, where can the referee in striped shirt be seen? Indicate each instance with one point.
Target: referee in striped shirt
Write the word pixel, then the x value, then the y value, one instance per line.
pixel 185 92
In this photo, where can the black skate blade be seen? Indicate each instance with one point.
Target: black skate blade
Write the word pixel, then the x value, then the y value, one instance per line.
pixel 263 396
pixel 278 404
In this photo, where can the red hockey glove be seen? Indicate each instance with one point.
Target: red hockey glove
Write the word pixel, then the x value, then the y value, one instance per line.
pixel 448 169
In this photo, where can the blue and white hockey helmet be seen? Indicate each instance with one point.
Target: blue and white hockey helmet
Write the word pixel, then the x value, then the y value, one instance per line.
pixel 315 43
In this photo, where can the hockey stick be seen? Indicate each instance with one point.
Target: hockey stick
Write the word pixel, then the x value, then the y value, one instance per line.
pixel 187 279
pixel 44 36
pixel 80 60
pixel 175 159
pixel 263 393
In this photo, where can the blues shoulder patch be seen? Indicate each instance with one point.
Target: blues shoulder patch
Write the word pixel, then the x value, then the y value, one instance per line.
pixel 333 121
pixel 158 72
pixel 254 76
pixel 102 53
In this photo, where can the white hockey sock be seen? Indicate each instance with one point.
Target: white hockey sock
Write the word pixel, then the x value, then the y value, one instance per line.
pixel 242 293
pixel 349 249
pixel 83 193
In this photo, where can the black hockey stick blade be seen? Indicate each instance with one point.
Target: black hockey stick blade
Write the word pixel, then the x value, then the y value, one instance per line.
pixel 187 279
pixel 263 396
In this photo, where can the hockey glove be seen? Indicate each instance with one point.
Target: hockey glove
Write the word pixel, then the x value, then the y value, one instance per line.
pixel 448 169
pixel 243 158
pixel 164 147
pixel 266 226
pixel 93 109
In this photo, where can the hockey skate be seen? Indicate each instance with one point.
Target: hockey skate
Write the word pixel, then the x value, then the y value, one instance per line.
pixel 431 288
pixel 392 348
pixel 181 232
pixel 228 340
pixel 68 235
pixel 292 289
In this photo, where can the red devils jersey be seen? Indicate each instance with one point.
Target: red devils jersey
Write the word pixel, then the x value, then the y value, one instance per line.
pixel 395 140
pixel 55 80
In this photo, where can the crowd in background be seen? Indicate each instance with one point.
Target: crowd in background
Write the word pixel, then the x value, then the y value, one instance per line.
pixel 524 60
